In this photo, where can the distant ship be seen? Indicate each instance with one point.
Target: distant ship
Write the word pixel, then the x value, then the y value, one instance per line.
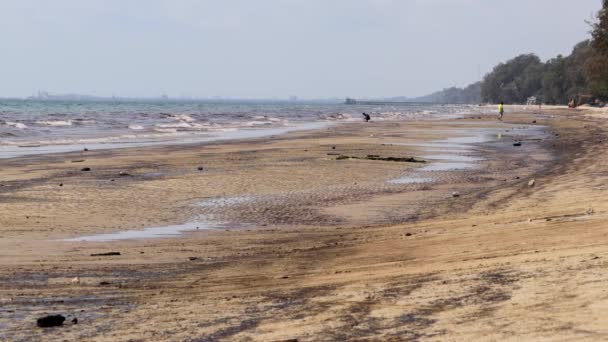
pixel 350 101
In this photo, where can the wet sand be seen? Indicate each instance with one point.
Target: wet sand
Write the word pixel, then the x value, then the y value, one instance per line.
pixel 295 242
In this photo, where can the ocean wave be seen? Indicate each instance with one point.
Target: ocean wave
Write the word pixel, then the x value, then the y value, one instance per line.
pixel 84 122
pixel 256 123
pixel 55 123
pixel 166 130
pixel 266 118
pixel 16 124
pixel 182 125
pixel 201 126
pixel 337 117
pixel 175 125
pixel 226 129
pixel 143 121
pixel 123 138
pixel 179 117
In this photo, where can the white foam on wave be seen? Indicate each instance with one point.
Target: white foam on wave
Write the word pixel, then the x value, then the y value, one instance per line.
pixel 136 127
pixel 55 123
pixel 266 118
pixel 182 117
pixel 166 130
pixel 12 148
pixel 227 129
pixel 188 125
pixel 340 116
pixel 256 123
pixel 181 124
pixel 197 125
pixel 117 139
pixel 16 124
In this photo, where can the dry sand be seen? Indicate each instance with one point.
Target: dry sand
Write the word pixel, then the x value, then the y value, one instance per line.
pixel 307 247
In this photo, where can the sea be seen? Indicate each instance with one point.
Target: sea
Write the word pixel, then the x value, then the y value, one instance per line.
pixel 29 127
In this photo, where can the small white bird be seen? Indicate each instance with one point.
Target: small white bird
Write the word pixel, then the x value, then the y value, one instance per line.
pixel 76 280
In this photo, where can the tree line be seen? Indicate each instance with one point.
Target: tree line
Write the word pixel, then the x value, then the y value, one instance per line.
pixel 582 75
pixel 454 95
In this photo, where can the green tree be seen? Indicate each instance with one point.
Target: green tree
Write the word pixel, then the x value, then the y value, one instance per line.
pixel 454 95
pixel 576 79
pixel 597 64
pixel 583 72
pixel 513 81
pixel 554 81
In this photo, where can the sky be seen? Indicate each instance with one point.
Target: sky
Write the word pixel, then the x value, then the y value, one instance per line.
pixel 273 48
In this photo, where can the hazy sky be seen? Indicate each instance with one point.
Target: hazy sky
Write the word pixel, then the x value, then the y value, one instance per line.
pixel 273 48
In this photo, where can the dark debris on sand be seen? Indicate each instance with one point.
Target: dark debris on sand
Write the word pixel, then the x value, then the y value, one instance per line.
pixel 391 159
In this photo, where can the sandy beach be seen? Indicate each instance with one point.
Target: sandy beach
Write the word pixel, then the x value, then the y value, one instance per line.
pixel 460 229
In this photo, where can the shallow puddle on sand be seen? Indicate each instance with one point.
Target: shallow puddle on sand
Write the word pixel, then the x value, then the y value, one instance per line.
pixel 220 202
pixel 410 180
pixel 474 139
pixel 173 230
pixel 446 166
pixel 454 158
pixel 441 146
pixel 147 233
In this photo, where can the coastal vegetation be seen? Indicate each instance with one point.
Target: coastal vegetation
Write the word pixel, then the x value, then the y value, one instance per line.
pixel 583 75
pixel 554 81
pixel 455 95
pixel 596 66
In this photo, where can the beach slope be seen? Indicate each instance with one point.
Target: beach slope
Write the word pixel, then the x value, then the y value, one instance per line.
pixel 326 246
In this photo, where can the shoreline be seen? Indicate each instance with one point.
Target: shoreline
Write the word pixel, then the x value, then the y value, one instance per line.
pixel 334 243
pixel 16 151
pixel 25 134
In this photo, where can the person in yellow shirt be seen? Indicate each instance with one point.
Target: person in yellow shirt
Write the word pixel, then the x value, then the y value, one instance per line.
pixel 501 110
